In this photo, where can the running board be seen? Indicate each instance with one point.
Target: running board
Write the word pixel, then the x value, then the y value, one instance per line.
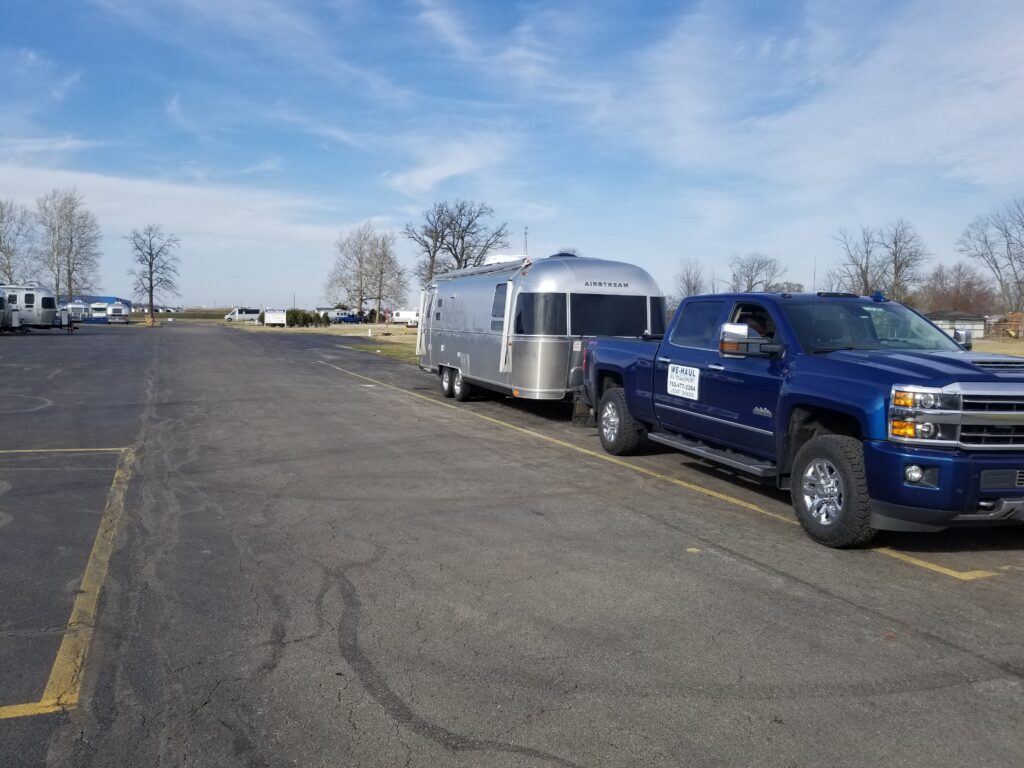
pixel 756 467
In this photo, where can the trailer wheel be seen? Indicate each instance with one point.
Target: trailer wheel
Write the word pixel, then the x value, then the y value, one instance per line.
pixel 462 390
pixel 446 382
pixel 619 431
pixel 830 491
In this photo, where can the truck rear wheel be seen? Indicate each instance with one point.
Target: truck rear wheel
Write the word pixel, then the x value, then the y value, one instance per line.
pixel 446 382
pixel 619 431
pixel 830 491
pixel 461 389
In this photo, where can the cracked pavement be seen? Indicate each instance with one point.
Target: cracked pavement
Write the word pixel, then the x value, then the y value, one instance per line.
pixel 314 569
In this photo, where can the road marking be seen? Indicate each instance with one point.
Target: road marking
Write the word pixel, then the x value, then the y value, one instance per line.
pixel 65 681
pixel 63 450
pixel 578 449
pixel 933 567
pixel 961 575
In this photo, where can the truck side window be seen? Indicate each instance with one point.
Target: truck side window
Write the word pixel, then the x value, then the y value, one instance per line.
pixel 756 318
pixel 498 307
pixel 698 325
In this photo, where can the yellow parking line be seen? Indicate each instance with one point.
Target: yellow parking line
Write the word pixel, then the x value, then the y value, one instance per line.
pixel 64 450
pixel 578 449
pixel 933 567
pixel 65 681
pixel 961 575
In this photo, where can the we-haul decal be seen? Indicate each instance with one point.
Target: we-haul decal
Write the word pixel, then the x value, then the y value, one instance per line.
pixel 683 381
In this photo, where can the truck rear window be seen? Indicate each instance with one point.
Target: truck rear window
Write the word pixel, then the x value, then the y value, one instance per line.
pixel 598 314
pixel 541 314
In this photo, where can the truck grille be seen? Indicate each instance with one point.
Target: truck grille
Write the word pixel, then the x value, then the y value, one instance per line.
pixel 1002 435
pixel 1002 403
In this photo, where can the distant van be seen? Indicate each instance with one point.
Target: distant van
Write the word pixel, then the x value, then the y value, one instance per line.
pixel 242 315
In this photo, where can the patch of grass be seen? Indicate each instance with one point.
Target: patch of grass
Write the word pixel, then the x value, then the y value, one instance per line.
pixel 1000 346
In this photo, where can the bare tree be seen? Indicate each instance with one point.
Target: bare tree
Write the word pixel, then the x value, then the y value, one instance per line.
pixel 387 281
pixel 349 278
pixel 690 279
pixel 786 287
pixel 429 238
pixel 997 241
pixel 961 288
pixel 16 241
pixel 904 257
pixel 68 248
pixel 156 271
pixel 469 239
pixel 861 268
pixel 755 272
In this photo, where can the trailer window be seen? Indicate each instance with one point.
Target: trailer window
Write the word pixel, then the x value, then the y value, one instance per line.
pixel 498 307
pixel 540 314
pixel 601 314
pixel 30 299
pixel 659 315
pixel 48 302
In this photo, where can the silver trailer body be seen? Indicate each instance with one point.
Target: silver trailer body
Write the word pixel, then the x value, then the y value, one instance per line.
pixel 36 306
pixel 517 327
pixel 118 313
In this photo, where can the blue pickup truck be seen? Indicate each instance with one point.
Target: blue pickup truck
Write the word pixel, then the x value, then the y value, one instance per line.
pixel 871 416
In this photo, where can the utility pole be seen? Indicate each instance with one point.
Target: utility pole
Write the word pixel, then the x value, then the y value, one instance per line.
pixel 526 236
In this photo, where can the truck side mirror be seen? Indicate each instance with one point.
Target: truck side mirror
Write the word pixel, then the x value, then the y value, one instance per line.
pixel 963 338
pixel 735 340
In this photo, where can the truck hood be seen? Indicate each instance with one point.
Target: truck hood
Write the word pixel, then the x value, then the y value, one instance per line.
pixel 935 369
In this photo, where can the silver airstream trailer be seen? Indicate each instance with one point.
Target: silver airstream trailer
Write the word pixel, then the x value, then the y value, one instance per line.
pixel 36 306
pixel 78 311
pixel 118 313
pixel 516 327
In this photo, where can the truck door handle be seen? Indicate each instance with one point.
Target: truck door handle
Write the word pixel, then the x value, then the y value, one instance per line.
pixel 664 359
pixel 716 367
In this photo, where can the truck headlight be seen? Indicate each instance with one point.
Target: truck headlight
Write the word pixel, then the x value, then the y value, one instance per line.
pixel 924 415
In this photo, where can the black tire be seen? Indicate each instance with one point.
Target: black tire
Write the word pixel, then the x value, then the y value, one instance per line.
pixel 447 376
pixel 619 432
pixel 843 516
pixel 462 390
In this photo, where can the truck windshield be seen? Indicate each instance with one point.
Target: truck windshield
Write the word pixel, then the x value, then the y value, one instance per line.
pixel 828 326
pixel 596 314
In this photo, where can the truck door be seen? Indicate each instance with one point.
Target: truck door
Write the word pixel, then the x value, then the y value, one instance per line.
pixel 680 369
pixel 743 392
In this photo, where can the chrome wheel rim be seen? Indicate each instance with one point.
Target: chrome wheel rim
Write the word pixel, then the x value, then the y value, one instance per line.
pixel 446 379
pixel 457 385
pixel 609 422
pixel 823 491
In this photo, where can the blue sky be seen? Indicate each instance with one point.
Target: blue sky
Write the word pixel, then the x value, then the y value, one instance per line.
pixel 257 130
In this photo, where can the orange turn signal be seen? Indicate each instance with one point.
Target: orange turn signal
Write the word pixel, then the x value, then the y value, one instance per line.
pixel 903 399
pixel 729 346
pixel 902 428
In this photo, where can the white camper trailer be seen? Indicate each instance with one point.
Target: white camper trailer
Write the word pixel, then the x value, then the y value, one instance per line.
pixel 411 317
pixel 516 327
pixel 278 317
pixel 98 310
pixel 118 313
pixel 36 307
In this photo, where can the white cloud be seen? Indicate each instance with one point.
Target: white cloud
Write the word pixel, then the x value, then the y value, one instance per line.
pixel 447 159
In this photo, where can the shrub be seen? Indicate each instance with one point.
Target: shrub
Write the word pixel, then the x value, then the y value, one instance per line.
pixel 261 318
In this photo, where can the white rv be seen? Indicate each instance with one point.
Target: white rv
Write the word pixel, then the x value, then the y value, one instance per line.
pixel 242 315
pixel 411 317
pixel 98 310
pixel 278 317
pixel 36 307
pixel 118 313
pixel 517 327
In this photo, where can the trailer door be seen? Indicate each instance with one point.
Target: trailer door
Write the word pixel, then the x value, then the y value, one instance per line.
pixel 425 329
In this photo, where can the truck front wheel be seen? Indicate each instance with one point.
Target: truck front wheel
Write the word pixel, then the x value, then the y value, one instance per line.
pixel 830 491
pixel 619 431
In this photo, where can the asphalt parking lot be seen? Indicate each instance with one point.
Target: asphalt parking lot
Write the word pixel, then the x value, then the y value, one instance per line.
pixel 223 548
